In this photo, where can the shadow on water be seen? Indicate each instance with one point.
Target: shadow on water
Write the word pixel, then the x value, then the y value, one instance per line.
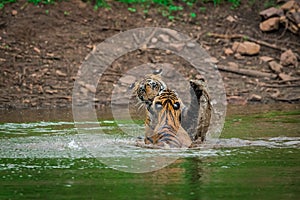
pixel 257 156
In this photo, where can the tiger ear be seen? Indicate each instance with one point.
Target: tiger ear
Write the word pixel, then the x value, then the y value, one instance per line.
pixel 157 72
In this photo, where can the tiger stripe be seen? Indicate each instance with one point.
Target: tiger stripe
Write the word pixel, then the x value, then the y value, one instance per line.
pixel 164 115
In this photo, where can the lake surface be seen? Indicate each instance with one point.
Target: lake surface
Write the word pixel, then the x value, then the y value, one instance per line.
pixel 42 156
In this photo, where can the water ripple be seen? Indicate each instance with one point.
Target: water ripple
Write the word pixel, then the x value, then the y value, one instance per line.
pixel 78 146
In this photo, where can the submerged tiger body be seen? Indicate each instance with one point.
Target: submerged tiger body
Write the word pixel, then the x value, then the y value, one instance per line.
pixel 169 123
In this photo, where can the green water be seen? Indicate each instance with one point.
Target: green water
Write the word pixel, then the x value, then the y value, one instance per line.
pixel 257 157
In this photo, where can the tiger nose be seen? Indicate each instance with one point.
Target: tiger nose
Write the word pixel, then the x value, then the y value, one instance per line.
pixel 153 84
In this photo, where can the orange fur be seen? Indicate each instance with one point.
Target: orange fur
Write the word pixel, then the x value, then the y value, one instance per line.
pixel 163 124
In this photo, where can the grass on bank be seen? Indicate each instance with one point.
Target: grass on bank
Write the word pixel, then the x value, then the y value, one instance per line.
pixel 171 5
pixel 170 9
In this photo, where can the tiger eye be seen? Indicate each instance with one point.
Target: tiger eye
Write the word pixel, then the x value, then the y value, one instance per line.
pixel 176 106
pixel 158 106
pixel 141 90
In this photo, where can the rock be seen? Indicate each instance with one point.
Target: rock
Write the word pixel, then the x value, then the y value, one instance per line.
pixel 266 58
pixel 294 21
pixel 246 48
pixel 50 55
pixel 40 89
pixel 168 52
pixel 199 76
pixel 177 46
pixel 164 38
pixel 37 50
pixel 169 24
pixel 213 60
pixel 274 92
pixel 51 91
pixel 255 97
pixel 228 51
pixel 26 101
pixel 285 77
pixel 288 58
pixel 271 12
pixel 276 67
pixel 293 28
pixel 190 44
pixel 270 24
pixel 206 47
pixel 294 17
pixel 154 40
pixel 14 12
pixel 127 80
pixel 91 88
pixel 60 73
pixel 233 65
pixel 289 5
pixel 230 19
pixel 238 56
pixel 81 4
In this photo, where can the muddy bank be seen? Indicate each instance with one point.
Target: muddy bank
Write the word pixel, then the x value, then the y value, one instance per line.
pixel 42 48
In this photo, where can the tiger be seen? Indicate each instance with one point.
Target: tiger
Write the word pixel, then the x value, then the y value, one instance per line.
pixel 149 87
pixel 195 119
pixel 163 122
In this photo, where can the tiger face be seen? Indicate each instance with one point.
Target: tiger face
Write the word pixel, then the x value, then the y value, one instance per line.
pixel 164 121
pixel 148 88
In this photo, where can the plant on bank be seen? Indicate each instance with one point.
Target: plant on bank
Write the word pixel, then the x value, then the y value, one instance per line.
pixel 168 7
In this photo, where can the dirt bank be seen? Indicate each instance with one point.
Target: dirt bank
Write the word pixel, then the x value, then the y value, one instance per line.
pixel 42 48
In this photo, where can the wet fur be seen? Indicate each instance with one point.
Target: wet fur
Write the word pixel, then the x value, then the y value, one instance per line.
pixel 163 124
pixel 195 119
pixel 148 88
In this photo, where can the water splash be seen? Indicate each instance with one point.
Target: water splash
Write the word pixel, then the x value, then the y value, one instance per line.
pixel 59 140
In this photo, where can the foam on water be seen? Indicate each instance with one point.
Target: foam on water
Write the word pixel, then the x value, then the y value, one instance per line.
pixel 77 146
pixel 53 140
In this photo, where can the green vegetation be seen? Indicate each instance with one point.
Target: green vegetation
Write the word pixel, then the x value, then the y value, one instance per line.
pixel 3 2
pixel 173 9
pixel 169 8
pixel 269 3
pixel 35 2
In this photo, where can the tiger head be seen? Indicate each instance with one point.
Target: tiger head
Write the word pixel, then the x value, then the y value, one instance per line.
pixel 166 108
pixel 165 118
pixel 149 87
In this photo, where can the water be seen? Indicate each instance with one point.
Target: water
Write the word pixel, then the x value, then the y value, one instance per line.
pixel 43 157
